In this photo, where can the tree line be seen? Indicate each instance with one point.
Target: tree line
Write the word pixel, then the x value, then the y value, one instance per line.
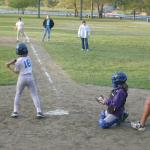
pixel 135 5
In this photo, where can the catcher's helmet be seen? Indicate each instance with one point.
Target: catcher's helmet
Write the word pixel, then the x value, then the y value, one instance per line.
pixel 118 78
pixel 21 49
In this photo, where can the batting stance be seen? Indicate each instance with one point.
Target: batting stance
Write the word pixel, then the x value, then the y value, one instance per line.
pixel 115 113
pixel 23 67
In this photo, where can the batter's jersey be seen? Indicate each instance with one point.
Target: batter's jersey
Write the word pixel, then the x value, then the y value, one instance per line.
pixel 23 65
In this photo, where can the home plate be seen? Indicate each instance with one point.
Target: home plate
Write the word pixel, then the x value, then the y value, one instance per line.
pixel 57 112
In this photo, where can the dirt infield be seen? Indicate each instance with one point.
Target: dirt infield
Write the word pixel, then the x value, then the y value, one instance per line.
pixel 76 131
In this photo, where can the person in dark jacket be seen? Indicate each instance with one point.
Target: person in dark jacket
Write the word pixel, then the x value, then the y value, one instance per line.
pixel 115 112
pixel 48 24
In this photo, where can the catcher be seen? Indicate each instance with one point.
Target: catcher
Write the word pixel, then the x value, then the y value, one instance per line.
pixel 115 112
pixel 23 67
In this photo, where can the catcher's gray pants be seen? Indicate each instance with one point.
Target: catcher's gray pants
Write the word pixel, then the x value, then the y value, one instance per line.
pixel 26 81
pixel 106 119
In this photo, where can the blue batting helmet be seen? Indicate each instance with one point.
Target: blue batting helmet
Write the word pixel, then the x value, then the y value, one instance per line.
pixel 21 49
pixel 118 78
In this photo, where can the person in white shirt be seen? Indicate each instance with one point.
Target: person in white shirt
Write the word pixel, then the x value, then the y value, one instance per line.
pixel 84 33
pixel 20 29
pixel 23 67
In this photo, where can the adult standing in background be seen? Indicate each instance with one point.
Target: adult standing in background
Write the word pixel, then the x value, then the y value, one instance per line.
pixel 20 30
pixel 84 33
pixel 48 24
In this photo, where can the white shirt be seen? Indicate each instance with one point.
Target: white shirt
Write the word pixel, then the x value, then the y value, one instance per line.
pixel 84 31
pixel 23 65
pixel 19 25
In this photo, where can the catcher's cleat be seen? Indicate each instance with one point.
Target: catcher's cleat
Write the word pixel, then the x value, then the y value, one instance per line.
pixel 14 114
pixel 40 115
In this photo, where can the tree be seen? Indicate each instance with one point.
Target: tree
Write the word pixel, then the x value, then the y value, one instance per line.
pixel 50 3
pixel 19 4
pixel 92 8
pixel 32 3
pixel 2 2
pixel 147 6
pixel 100 6
pixel 39 6
pixel 81 9
pixel 70 4
pixel 96 4
pixel 136 5
pixel 75 8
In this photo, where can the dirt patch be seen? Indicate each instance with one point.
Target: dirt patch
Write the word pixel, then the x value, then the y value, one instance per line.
pixel 78 130
pixel 8 40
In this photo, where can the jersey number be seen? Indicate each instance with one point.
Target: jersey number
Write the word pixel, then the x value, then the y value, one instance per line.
pixel 27 63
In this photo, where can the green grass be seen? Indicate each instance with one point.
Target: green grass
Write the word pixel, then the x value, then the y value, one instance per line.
pixel 108 55
pixel 6 54
pixel 116 45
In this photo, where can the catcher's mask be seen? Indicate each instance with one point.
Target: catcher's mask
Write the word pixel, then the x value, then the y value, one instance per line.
pixel 21 49
pixel 118 79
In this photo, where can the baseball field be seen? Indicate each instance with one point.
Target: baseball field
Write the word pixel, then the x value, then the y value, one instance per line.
pixel 69 79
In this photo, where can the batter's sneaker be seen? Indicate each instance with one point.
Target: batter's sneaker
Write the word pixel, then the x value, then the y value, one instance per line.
pixel 137 126
pixel 14 114
pixel 40 115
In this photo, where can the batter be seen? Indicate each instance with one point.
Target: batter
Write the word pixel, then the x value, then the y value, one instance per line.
pixel 23 67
